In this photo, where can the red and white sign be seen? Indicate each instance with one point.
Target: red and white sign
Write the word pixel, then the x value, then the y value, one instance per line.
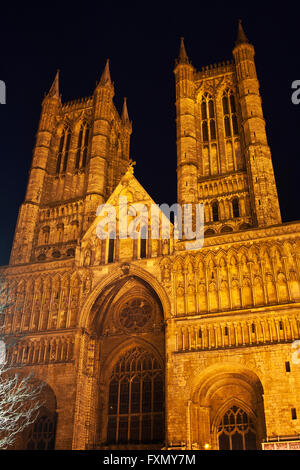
pixel 283 445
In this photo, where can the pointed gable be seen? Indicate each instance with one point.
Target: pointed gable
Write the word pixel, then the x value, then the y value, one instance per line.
pixel 135 210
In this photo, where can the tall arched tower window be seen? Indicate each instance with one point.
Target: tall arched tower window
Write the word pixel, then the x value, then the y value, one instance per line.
pixel 210 164
pixel 229 111
pixel 82 145
pixel 63 151
pixel 136 399
pixel 143 242
pixel 111 248
pixel 231 131
pixel 208 118
pixel 215 211
pixel 235 207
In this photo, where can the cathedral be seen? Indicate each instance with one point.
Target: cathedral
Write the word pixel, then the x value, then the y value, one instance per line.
pixel 142 343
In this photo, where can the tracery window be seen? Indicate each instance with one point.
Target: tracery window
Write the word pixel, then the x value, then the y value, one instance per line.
pixel 42 434
pixel 135 314
pixel 234 158
pixel 208 118
pixel 136 399
pixel 82 146
pixel 210 158
pixel 236 431
pixel 63 151
pixel 229 111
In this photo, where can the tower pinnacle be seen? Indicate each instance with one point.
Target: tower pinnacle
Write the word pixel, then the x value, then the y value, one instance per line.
pixel 54 90
pixel 105 79
pixel 241 36
pixel 125 116
pixel 182 57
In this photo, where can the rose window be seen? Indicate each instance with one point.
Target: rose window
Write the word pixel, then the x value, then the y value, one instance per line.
pixel 135 314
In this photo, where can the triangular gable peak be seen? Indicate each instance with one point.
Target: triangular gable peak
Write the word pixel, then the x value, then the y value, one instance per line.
pixel 133 209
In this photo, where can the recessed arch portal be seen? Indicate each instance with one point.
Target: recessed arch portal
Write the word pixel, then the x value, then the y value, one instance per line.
pixel 233 396
pixel 127 321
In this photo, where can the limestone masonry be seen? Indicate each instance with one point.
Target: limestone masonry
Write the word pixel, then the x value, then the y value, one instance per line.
pixel 143 344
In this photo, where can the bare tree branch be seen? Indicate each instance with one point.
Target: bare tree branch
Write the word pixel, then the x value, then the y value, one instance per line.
pixel 19 404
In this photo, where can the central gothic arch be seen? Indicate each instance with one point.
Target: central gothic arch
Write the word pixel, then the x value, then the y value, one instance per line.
pixel 121 376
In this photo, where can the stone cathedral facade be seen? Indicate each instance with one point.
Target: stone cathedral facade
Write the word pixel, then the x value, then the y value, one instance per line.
pixel 142 343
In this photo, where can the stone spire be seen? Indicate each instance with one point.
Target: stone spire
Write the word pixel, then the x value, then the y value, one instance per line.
pixel 54 90
pixel 125 116
pixel 241 36
pixel 105 79
pixel 182 57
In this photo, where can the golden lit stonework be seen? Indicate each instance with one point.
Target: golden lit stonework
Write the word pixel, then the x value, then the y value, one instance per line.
pixel 144 344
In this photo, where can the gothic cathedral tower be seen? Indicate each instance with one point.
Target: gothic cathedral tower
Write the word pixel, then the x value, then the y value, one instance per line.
pixel 81 152
pixel 223 157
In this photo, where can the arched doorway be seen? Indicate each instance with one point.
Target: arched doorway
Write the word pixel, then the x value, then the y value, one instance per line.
pixel 128 321
pixel 228 403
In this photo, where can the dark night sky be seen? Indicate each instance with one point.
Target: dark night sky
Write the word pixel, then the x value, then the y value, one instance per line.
pixel 142 40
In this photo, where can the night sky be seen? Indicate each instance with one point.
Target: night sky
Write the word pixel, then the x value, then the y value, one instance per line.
pixel 142 41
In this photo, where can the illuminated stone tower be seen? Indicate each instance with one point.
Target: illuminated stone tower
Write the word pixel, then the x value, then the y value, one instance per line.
pixel 223 158
pixel 81 152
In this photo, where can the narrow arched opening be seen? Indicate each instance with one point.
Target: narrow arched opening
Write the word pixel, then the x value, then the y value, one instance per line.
pixel 129 320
